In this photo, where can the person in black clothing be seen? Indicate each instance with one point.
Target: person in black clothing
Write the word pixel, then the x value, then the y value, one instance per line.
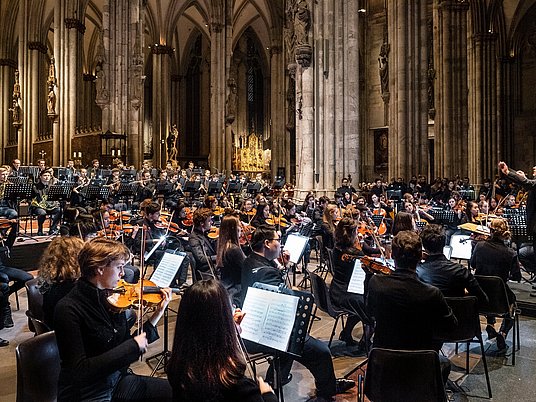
pixel 346 187
pixel 493 258
pixel 206 362
pixel 58 272
pixel 229 257
pixel 261 215
pixel 41 207
pixel 203 250
pixel 94 340
pixel 406 310
pixel 448 276
pixel 4 301
pixel 261 266
pixel 344 256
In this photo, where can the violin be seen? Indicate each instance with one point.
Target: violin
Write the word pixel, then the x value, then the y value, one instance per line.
pixel 120 216
pixel 213 233
pixel 247 233
pixel 277 221
pixel 6 223
pixel 375 266
pixel 126 295
pixel 188 221
pixel 218 211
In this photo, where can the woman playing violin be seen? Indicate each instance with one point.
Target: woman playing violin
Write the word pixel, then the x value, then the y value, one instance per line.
pixel 247 212
pixel 345 254
pixel 330 218
pixel 262 214
pixel 94 341
pixel 229 257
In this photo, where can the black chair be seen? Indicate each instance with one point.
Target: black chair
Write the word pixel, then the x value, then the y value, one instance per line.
pixel 403 376
pixel 329 260
pixel 38 369
pixel 323 302
pixel 323 254
pixel 35 304
pixel 468 329
pixel 499 305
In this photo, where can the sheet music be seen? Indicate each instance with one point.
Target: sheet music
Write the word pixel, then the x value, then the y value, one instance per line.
pixel 269 318
pixel 295 245
pixel 357 281
pixel 167 269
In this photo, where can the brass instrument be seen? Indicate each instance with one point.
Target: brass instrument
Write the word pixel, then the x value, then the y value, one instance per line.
pixel 43 204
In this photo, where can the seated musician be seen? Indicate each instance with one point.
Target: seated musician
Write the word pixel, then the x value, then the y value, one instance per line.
pixel 471 213
pixel 41 207
pixel 319 210
pixel 82 181
pixel 309 205
pixel 451 278
pixel 346 187
pixel 15 168
pixel 406 310
pixel 327 228
pixel 202 247
pixel 493 257
pixel 94 340
pixel 7 209
pixel 403 221
pixel 345 253
pixel 146 189
pixel 4 300
pixel 261 215
pixel 261 266
pixel 247 212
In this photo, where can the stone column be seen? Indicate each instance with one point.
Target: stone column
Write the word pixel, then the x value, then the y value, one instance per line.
pixel 508 105
pixel 483 131
pixel 277 130
pixel 161 106
pixel 7 68
pixel 218 82
pixel 408 106
pixel 451 123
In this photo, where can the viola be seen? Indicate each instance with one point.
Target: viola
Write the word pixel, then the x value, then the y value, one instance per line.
pixel 126 295
pixel 375 266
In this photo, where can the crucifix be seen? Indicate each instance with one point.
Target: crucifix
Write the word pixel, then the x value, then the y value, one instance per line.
pixel 42 153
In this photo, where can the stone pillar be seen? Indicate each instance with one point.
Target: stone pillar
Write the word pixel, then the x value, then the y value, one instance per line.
pixel 451 123
pixel 483 131
pixel 408 106
pixel 508 106
pixel 219 54
pixel 278 134
pixel 161 106
pixel 7 68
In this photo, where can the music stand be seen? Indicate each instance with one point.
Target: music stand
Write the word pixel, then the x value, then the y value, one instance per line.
pixel 31 172
pixel 16 193
pixel 164 188
pixel 278 183
pixel 394 195
pixel 214 187
pixel 96 193
pixel 128 175
pixel 298 333
pixel 234 187
pixel 253 188
pixel 192 186
pixel 295 245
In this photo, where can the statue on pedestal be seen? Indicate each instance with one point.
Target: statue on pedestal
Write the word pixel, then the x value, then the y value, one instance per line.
pixel 172 138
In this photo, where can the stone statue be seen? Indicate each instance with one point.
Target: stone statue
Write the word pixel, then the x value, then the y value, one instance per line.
pixel 15 110
pixel 231 102
pixel 172 138
pixel 16 86
pixel 51 80
pixel 102 92
pixel 383 67
pixel 51 101
pixel 302 23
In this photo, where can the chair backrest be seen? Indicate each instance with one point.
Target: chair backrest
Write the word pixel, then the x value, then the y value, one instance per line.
pixel 38 369
pixel 495 289
pixel 466 311
pixel 321 295
pixel 404 375
pixel 35 299
pixel 329 260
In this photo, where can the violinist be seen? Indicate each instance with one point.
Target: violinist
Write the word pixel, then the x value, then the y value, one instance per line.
pixel 247 212
pixel 146 188
pixel 471 213
pixel 403 221
pixel 368 231
pixel 94 340
pixel 82 181
pixel 203 250
pixel 309 206
pixel 458 207
pixel 327 229
pixel 345 254
pixel 346 187
pixel 261 215
pixel 40 206
pixel 323 201
pixel 262 266
pixel 229 257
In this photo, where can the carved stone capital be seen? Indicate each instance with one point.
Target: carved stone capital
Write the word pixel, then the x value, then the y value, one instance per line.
pixel 161 49
pixel 216 27
pixel 276 50
pixel 37 46
pixel 304 55
pixel 8 62
pixel 76 24
pixel 292 69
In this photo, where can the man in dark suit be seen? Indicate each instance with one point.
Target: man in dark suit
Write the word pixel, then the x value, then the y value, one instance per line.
pixel 203 250
pixel 261 266
pixel 408 311
pixel 448 276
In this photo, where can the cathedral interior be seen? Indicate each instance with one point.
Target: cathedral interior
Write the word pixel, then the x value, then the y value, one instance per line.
pixel 313 90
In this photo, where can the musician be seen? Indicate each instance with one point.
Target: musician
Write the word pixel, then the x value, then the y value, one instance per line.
pixel 41 165
pixel 58 272
pixel 347 199
pixel 346 187
pixel 344 255
pixel 451 278
pixel 94 341
pixel 247 212
pixel 330 218
pixel 41 207
pixel 486 188
pixel 93 171
pixel 261 215
pixel 202 247
pixel 471 213
pixel 309 205
pixel 4 301
pixel 407 311
pixel 493 258
pixel 206 363
pixel 15 168
pixel 6 206
pixel 145 189
pixel 229 257
pixel 403 221
pixel 190 169
pixel 261 266
pixel 323 201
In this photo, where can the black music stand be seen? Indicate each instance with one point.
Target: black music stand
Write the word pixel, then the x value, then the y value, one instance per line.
pixel 214 187
pixel 60 193
pixel 278 183
pixel 96 193
pixel 16 193
pixel 128 175
pixel 299 329
pixel 18 179
pixel 31 172
pixel 253 188
pixel 164 189
pixel 394 195
pixel 234 187
pixel 126 192
pixel 192 187
pixel 467 194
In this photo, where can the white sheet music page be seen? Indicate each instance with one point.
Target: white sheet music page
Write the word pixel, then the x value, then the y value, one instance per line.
pixel 357 281
pixel 295 245
pixel 167 269
pixel 269 318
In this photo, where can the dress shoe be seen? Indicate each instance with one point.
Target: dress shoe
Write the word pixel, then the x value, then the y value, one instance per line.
pixel 3 342
pixel 491 332
pixel 40 233
pixel 347 339
pixel 8 320
pixel 284 382
pixel 342 385
pixel 501 343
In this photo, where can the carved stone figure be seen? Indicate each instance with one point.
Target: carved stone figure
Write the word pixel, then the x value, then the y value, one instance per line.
pixel 383 67
pixel 231 103
pixel 15 110
pixel 302 23
pixel 16 86
pixel 51 80
pixel 172 138
pixel 102 92
pixel 51 101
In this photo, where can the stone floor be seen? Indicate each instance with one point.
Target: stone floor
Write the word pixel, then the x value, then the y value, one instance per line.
pixel 508 382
